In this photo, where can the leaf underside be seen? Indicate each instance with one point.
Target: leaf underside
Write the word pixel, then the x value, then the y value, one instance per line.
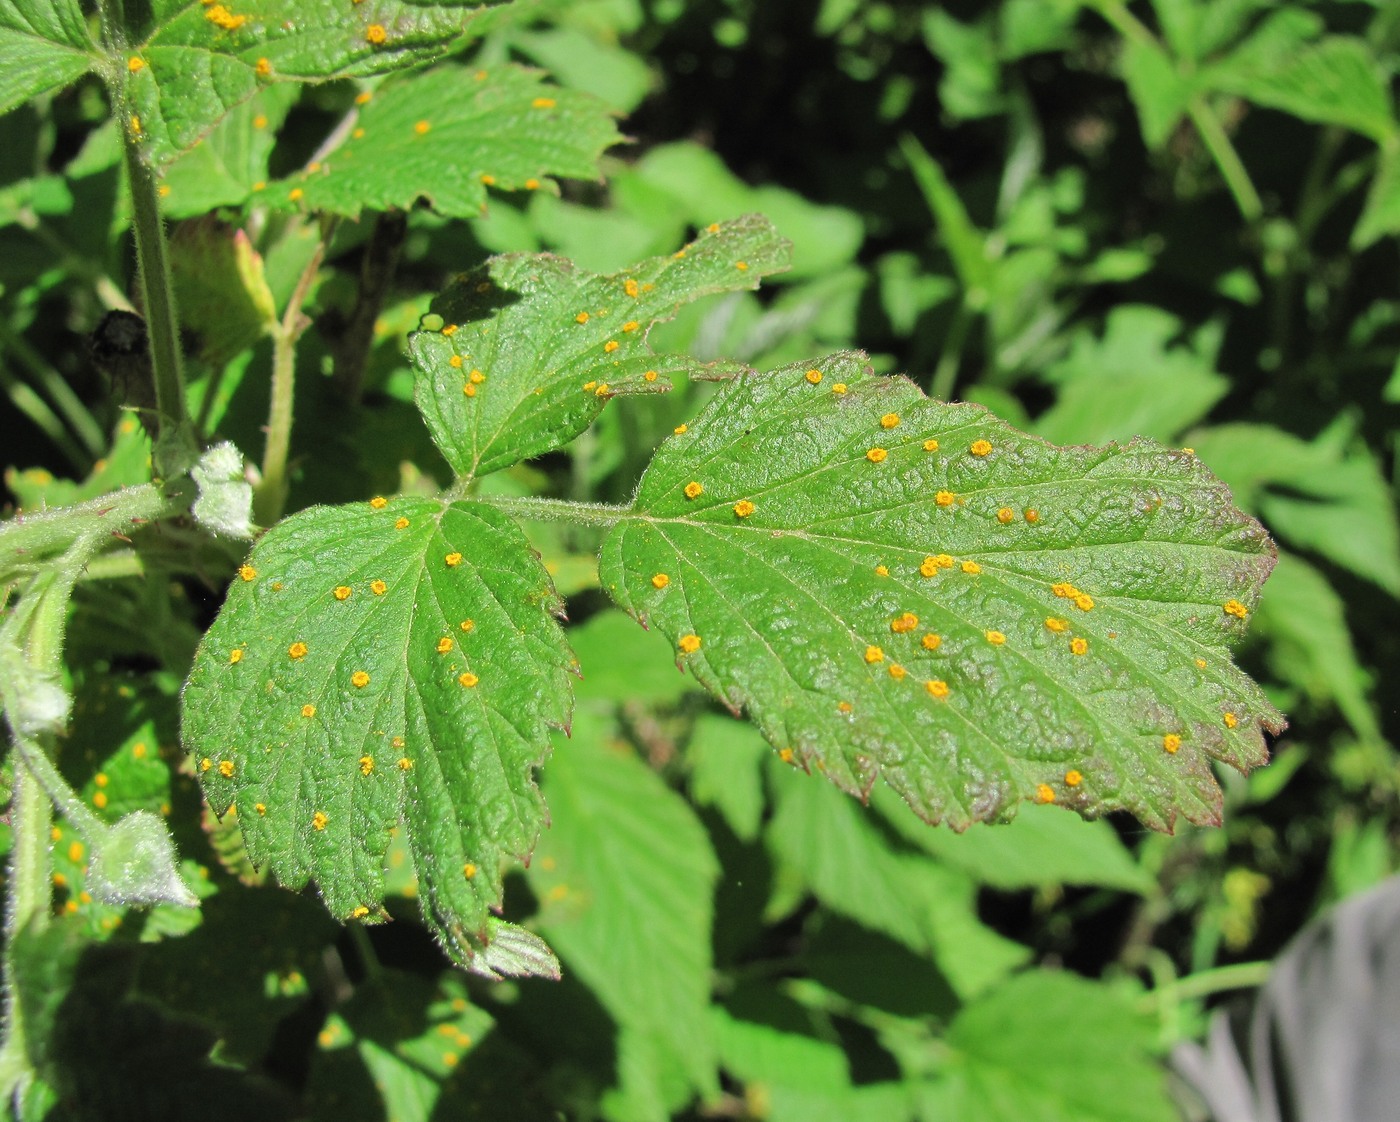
pixel 533 347
pixel 894 586
pixel 382 665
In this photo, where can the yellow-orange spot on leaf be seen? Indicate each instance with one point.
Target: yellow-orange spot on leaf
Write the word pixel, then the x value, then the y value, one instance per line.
pixel 319 820
pixel 1200 664
pixel 786 755
pixel 226 768
pixel 260 185
pixel 680 429
pixel 450 330
pixel 610 346
pixel 366 764
pixel 931 641
pixel 1044 793
pixel 1079 645
pixel 980 447
pixel 308 710
pixel 971 567
pixel 247 572
pixel 453 560
pixel 1231 720
pixel 630 287
pixel 694 489
pixel 902 623
pixel 590 385
pixel 378 587
pixel 261 808
pixel 1236 609
pixel 1073 778
pixel 99 800
pixel 134 122
pixel 660 580
pixel 713 227
pixel 297 650
pixel 455 362
pixel 650 375
pixel 937 688
pixel 164 192
pixel 359 679
pixel 882 570
pixel 1084 602
pixel 1031 515
pixel 532 184
pixel 543 103
pixel 1171 743
pixel 363 98
pixel 743 508
pixel 235 655
pixel 295 193
pixel 468 871
pixel 1054 623
pixel 897 672
pixel 205 764
pixel 996 638
pixel 814 376
pixel 375 34
pixel 139 749
pixel 135 65
pixel 467 679
pixel 689 643
pixel 876 455
pixel 222 17
pixel 401 523
pixel 422 127
pixel 874 654
pixel 1005 515
pixel 844 706
pixel 476 377
pixel 264 68
pixel 379 502
pixel 944 498
pixel 582 317
pixel 468 390
pixel 1064 591
pixel 631 325
pixel 930 446
pixel 602 389
pixel 741 265
pixel 359 912
pixel 342 592
pixel 839 387
pixel 889 420
pixel 444 645
pixel 405 763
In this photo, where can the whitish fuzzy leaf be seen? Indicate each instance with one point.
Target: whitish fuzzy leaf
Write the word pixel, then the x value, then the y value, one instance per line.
pixel 898 587
pixel 448 133
pixel 44 45
pixel 383 663
pixel 627 876
pixel 526 351
pixel 195 62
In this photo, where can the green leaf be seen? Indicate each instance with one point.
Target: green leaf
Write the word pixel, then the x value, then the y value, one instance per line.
pixel 1042 845
pixel 230 164
pixel 1335 81
pixel 1381 214
pixel 726 757
pixel 446 134
pixel 897 587
pixel 44 45
pixel 841 857
pixel 962 240
pixel 221 289
pixel 536 346
pixel 1133 381
pixel 627 876
pixel 1310 645
pixel 198 61
pixel 384 662
pixel 1328 495
pixel 1050 1047
pixel 618 664
pixel 1159 92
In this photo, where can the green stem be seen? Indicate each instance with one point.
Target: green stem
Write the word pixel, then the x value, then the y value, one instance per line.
pixel 1238 976
pixel 558 510
pixel 270 495
pixel 175 450
pixel 1211 131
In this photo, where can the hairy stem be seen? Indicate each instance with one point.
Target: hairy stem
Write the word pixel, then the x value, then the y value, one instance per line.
pixel 271 493
pixel 558 510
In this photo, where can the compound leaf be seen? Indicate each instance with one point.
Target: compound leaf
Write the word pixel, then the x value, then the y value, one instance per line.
pixel 899 587
pixel 195 62
pixel 525 352
pixel 447 134
pixel 44 45
pixel 385 663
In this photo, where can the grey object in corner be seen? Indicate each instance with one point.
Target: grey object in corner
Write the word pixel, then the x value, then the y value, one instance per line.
pixel 1322 1043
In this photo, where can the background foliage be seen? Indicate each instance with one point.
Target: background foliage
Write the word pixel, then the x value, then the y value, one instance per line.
pixel 1174 219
